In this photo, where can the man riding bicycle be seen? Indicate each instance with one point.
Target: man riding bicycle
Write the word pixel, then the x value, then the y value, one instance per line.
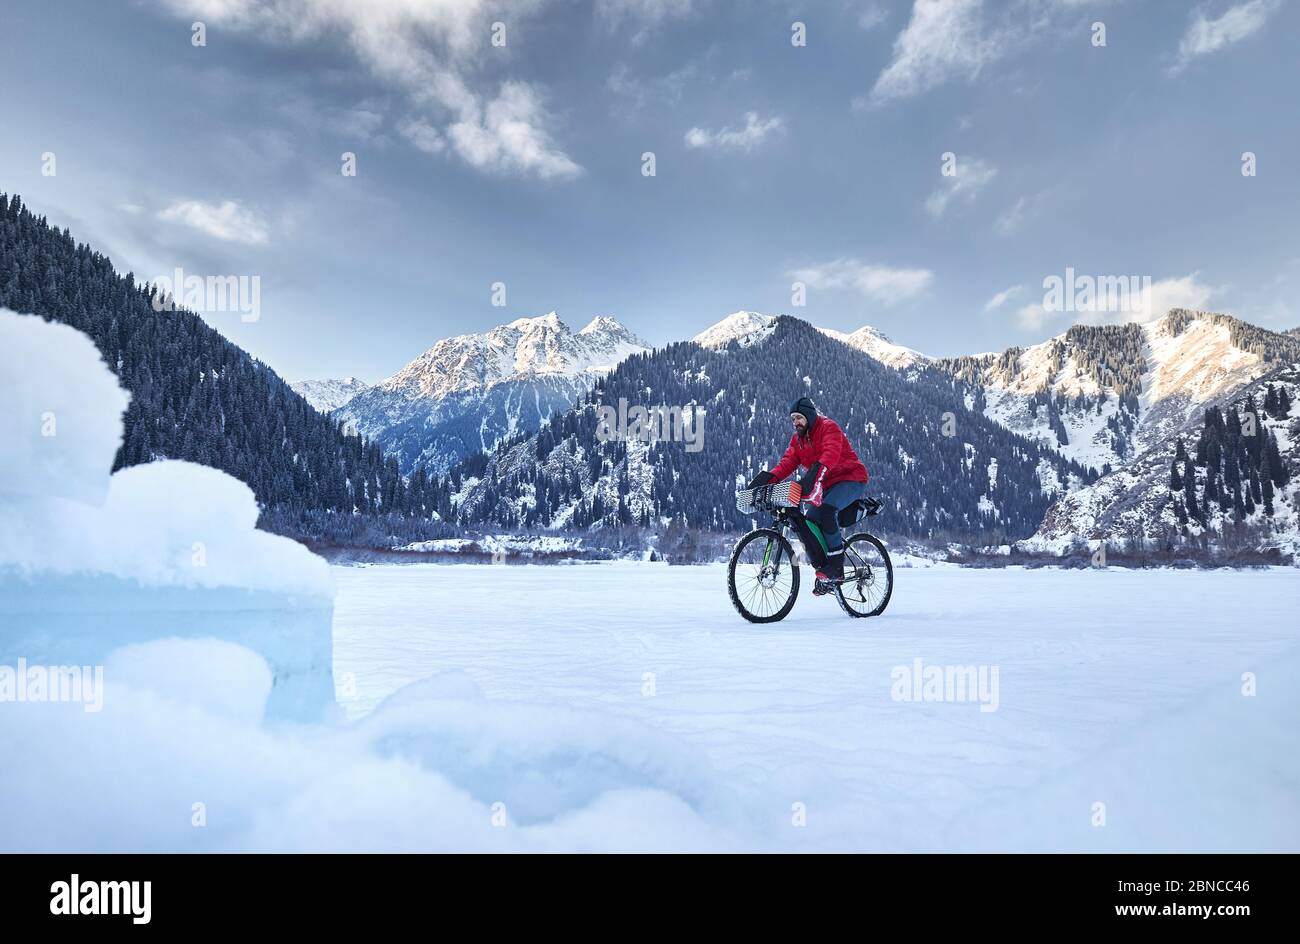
pixel 835 477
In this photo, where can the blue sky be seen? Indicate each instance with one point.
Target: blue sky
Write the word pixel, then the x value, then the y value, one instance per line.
pixel 522 164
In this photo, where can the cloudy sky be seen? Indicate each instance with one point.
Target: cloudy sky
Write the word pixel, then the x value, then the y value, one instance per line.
pixel 921 167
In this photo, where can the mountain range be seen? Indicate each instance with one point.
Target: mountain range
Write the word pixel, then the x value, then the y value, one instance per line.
pixel 465 394
pixel 1183 429
pixel 1098 402
pixel 943 469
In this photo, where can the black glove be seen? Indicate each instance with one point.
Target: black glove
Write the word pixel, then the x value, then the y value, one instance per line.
pixel 810 478
pixel 760 480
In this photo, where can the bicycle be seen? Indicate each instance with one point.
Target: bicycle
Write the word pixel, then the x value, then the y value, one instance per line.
pixel 764 571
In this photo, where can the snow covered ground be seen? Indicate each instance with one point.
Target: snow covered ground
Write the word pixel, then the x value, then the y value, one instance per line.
pixel 624 706
pixel 1114 687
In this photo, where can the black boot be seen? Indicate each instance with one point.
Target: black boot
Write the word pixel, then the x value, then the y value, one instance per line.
pixel 829 574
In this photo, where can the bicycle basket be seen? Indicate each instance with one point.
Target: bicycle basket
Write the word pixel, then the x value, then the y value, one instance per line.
pixel 764 498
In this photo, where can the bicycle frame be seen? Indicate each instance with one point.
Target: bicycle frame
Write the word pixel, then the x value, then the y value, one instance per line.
pixel 782 517
pixel 782 525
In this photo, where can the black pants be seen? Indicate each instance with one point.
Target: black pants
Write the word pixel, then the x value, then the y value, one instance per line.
pixel 823 517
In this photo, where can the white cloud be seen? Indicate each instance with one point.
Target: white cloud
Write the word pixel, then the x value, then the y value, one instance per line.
pixel 226 221
pixel 1206 36
pixel 1186 291
pixel 1032 317
pixel 422 135
pixel 745 139
pixel 877 282
pixel 955 39
pixel 1182 292
pixel 360 122
pixel 972 175
pixel 641 91
pixel 943 39
pixel 1000 299
pixel 507 135
pixel 871 15
pixel 426 50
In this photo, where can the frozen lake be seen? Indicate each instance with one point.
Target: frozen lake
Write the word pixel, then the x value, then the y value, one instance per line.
pixel 627 707
pixel 1112 713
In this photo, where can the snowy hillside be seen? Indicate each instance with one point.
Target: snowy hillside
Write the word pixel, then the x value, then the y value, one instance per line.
pixel 750 327
pixel 328 395
pixel 466 393
pixel 1103 394
pixel 1232 478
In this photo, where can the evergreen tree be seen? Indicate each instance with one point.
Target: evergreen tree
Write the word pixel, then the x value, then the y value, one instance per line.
pixel 195 395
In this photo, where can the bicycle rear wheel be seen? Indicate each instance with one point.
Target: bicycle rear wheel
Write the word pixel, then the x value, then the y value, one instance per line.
pixel 762 577
pixel 868 577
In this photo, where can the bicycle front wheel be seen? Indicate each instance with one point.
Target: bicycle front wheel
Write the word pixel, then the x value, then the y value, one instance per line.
pixel 762 577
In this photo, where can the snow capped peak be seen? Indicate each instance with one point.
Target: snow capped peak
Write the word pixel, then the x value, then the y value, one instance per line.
pixel 744 327
pixel 329 394
pixel 482 386
pixel 873 342
pixel 541 346
pixel 610 332
pixel 602 323
pixel 550 320
pixel 750 327
pixel 472 389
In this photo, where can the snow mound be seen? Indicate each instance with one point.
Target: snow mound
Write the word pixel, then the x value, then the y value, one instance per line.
pixel 218 676
pixel 170 767
pixel 91 562
pixel 541 762
pixel 62 417
pixel 174 523
pixel 166 523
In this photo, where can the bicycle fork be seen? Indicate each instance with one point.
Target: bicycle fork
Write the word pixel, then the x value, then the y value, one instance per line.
pixel 768 555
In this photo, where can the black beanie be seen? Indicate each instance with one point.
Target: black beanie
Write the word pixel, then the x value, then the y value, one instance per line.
pixel 805 406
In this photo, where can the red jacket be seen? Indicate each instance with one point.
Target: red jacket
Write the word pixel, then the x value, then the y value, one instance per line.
pixel 828 445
